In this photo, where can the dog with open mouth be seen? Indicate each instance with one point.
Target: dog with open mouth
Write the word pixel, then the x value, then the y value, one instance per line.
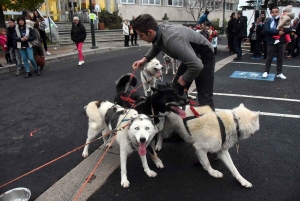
pixel 150 74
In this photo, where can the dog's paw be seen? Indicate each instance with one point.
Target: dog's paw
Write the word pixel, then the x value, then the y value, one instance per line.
pixel 216 173
pixel 125 183
pixel 150 173
pixel 245 183
pixel 85 154
pixel 158 148
pixel 158 163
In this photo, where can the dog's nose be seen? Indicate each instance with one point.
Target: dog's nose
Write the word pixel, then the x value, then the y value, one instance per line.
pixel 142 139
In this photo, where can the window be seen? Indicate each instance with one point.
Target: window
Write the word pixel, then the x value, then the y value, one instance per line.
pixel 175 2
pixel 151 2
pixel 127 1
pixel 229 6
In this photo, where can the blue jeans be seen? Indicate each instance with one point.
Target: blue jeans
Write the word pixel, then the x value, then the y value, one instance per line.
pixel 27 53
pixel 238 46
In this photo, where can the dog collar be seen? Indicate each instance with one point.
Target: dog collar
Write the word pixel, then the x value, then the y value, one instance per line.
pixel 222 129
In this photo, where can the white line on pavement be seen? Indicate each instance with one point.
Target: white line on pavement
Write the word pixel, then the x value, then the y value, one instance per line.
pixel 258 97
pixel 274 114
pixel 263 64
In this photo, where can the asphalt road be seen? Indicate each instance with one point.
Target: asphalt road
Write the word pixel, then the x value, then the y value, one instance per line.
pixel 54 102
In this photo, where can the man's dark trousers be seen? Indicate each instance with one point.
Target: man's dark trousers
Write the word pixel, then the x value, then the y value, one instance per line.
pixel 238 46
pixel 204 82
pixel 277 49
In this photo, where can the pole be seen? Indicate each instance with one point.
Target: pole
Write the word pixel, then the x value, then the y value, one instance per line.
pixel 224 6
pixel 92 29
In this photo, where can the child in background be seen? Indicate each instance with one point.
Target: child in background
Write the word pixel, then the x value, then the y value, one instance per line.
pixel 3 42
pixel 291 46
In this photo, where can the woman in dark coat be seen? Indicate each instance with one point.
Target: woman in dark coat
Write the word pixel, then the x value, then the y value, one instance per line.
pixel 78 35
pixel 230 32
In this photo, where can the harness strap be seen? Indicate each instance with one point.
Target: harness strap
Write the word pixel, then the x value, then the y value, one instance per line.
pixel 185 123
pixel 222 129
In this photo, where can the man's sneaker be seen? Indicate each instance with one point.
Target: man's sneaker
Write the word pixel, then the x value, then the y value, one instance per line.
pixel 281 76
pixel 237 58
pixel 82 62
pixel 19 72
pixel 48 53
pixel 265 75
pixel 276 41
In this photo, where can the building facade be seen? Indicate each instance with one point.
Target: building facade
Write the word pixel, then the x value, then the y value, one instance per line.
pixel 176 10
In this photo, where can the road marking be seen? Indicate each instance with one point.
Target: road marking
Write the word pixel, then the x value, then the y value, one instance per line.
pixel 273 114
pixel 263 64
pixel 258 97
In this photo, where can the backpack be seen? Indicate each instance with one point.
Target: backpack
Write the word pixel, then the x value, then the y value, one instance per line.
pixel 42 25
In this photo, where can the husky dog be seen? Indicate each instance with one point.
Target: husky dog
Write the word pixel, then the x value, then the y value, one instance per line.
pixel 136 136
pixel 216 132
pixel 150 74
pixel 170 61
pixel 170 126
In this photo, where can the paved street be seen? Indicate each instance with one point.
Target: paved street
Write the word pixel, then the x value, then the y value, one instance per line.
pixel 54 102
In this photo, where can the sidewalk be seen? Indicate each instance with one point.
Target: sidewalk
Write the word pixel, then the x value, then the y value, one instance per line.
pixel 59 53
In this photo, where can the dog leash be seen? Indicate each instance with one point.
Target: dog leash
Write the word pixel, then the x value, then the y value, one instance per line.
pixel 129 82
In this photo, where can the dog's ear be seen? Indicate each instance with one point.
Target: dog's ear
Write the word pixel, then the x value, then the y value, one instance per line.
pixel 255 115
pixel 154 89
pixel 241 105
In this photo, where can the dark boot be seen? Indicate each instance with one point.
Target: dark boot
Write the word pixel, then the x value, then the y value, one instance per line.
pixel 1 65
pixel 132 44
pixel 136 44
pixel 28 75
pixel 37 72
pixel 237 58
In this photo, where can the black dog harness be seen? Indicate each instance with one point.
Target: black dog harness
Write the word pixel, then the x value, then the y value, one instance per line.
pixel 222 127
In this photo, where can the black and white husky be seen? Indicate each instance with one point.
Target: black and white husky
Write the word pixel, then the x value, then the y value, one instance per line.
pixel 137 135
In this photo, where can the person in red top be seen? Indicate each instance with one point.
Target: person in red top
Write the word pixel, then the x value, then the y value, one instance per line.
pixel 213 33
pixel 3 43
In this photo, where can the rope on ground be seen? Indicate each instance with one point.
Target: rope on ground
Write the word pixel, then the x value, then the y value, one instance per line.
pixel 92 173
pixel 54 160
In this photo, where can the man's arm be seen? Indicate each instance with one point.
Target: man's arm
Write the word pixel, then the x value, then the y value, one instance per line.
pixel 180 47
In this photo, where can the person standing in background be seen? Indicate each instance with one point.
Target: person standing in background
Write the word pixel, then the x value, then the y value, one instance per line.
pixel 239 34
pixel 38 19
pixel 126 29
pixel 134 35
pixel 24 35
pixel 78 35
pixel 230 32
pixel 12 46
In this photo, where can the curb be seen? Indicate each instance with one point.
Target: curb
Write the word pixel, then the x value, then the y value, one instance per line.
pixel 69 185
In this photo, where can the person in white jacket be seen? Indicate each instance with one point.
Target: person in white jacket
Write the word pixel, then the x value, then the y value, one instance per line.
pixel 126 32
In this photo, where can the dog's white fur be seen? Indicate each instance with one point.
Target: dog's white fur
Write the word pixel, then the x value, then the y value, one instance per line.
pixel 205 136
pixel 127 137
pixel 150 74
pixel 173 62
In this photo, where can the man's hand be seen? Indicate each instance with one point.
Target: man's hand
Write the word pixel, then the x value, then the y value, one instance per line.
pixel 181 81
pixel 139 63
pixel 281 33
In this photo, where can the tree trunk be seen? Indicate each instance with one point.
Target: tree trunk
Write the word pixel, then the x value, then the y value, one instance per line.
pixel 2 20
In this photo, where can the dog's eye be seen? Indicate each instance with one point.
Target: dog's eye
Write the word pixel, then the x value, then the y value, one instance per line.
pixel 147 128
pixel 137 128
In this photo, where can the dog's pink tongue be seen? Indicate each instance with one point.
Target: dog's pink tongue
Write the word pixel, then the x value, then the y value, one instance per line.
pixel 181 113
pixel 142 149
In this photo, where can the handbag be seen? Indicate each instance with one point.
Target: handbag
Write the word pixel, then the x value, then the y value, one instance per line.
pixel 35 42
pixel 40 60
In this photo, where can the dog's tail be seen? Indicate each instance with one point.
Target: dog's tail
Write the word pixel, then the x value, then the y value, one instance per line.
pixel 92 111
pixel 121 82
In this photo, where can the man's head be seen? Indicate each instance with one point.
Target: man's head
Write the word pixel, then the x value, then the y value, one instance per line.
pixel 146 27
pixel 262 15
pixel 239 14
pixel 258 20
pixel 11 22
pixel 232 15
pixel 275 11
pixel 75 20
pixel 206 12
